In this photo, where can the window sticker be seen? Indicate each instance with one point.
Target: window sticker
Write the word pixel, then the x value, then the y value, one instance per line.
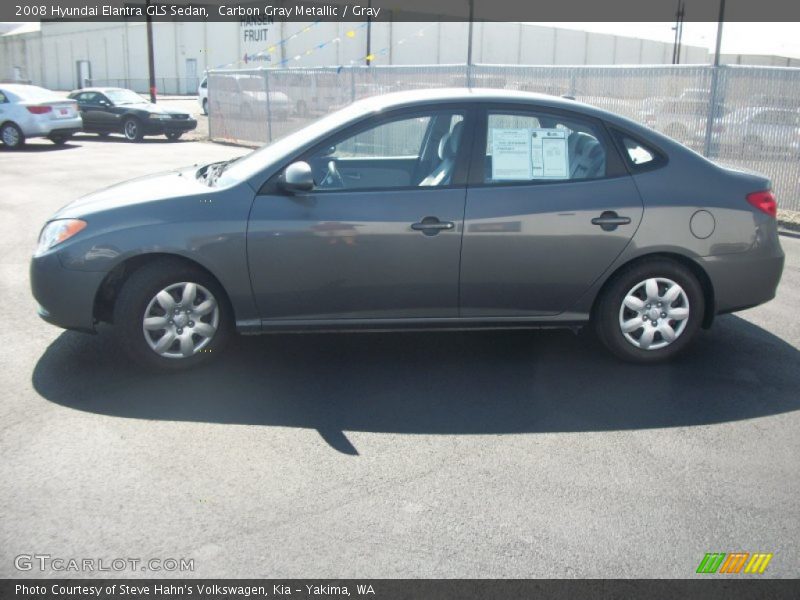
pixel 511 154
pixel 549 155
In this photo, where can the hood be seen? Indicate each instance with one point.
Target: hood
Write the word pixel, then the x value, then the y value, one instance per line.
pixel 154 108
pixel 151 188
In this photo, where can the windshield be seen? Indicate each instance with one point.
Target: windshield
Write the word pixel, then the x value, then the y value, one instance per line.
pixel 124 97
pixel 251 164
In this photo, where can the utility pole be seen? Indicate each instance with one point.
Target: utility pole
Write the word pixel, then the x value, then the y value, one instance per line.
pixel 469 43
pixel 676 47
pixel 369 35
pixel 719 32
pixel 715 101
pixel 151 61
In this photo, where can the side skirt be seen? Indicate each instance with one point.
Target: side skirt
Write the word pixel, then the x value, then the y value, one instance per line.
pixel 572 321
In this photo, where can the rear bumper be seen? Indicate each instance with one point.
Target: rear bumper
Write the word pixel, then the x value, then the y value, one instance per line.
pixel 42 128
pixel 65 296
pixel 743 280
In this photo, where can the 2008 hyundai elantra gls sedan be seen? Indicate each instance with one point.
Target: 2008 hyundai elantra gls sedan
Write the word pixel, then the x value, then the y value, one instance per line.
pixel 436 209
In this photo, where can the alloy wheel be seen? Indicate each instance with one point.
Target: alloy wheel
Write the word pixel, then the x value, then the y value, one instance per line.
pixel 10 136
pixel 131 130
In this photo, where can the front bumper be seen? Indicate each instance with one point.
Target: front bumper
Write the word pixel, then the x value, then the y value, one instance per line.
pixel 161 127
pixel 65 296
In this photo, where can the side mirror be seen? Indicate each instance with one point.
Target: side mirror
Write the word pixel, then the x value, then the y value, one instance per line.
pixel 297 177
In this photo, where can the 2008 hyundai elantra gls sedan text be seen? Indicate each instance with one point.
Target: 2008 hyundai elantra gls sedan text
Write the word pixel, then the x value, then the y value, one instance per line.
pixel 449 209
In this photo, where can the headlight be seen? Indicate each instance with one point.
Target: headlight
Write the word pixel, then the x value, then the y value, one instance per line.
pixel 160 116
pixel 58 231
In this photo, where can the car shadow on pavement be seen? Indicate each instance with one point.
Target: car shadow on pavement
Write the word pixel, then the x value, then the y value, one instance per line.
pixel 486 382
pixel 41 146
pixel 121 139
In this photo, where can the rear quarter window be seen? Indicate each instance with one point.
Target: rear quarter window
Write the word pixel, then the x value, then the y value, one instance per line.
pixel 639 155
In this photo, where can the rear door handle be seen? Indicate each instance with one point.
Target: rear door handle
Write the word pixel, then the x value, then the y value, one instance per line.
pixel 432 225
pixel 609 220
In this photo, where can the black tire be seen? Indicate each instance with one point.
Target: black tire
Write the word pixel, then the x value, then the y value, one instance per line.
pixel 132 303
pixel 12 136
pixel 205 106
pixel 59 139
pixel 174 136
pixel 133 130
pixel 606 315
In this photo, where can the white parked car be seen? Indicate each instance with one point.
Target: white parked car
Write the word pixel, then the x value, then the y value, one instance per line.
pixel 28 111
pixel 758 130
pixel 202 95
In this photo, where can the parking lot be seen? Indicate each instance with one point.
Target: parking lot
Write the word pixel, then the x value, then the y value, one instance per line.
pixel 490 454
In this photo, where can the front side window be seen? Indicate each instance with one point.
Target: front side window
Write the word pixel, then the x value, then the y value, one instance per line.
pixel 532 147
pixel 3 98
pixel 408 151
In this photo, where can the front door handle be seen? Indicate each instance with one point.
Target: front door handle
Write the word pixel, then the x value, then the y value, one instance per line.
pixel 609 220
pixel 432 225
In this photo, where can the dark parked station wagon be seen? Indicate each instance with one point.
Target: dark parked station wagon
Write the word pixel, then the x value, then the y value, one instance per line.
pixel 429 209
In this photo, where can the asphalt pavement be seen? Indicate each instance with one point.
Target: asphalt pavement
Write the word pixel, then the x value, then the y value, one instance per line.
pixel 489 454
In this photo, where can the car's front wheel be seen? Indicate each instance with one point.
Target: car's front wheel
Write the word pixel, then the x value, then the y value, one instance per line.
pixel 171 316
pixel 650 311
pixel 132 129
pixel 12 135
pixel 174 136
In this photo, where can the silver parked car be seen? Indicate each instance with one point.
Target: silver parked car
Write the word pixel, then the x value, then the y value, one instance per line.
pixel 28 111
pixel 449 209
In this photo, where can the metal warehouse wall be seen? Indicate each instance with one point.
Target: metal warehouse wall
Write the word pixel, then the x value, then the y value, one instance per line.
pixel 117 51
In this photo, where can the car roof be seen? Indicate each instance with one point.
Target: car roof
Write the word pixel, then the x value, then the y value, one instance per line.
pixel 395 99
pixel 102 90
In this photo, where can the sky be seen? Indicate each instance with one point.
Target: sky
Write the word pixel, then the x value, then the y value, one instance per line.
pixel 782 39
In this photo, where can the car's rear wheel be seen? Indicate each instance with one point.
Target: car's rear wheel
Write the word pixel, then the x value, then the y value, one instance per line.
pixel 172 316
pixel 173 136
pixel 132 129
pixel 59 139
pixel 650 311
pixel 205 106
pixel 12 135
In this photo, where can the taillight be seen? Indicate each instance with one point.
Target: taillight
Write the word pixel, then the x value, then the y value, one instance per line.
pixel 39 110
pixel 765 202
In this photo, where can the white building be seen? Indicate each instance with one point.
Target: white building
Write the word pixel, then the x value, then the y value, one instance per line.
pixel 65 55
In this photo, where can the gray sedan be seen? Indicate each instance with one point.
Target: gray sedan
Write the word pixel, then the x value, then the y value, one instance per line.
pixel 432 209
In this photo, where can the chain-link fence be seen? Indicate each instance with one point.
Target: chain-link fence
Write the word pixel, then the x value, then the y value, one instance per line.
pixel 746 117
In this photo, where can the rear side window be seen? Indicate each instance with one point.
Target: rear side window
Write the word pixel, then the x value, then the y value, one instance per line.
pixel 531 146
pixel 639 155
